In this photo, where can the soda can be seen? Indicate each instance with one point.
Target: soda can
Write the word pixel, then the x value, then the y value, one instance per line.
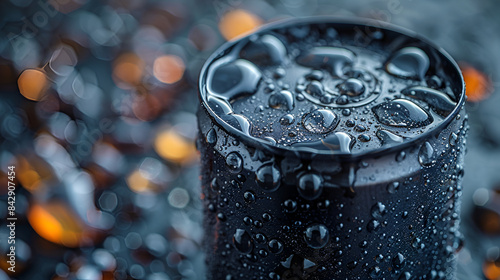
pixel 331 149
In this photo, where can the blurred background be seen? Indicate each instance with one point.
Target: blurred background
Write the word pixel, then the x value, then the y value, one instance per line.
pixel 97 114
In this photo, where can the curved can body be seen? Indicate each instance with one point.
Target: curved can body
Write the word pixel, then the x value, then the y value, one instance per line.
pixel 273 213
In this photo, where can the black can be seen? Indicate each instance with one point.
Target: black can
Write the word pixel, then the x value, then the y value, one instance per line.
pixel 331 150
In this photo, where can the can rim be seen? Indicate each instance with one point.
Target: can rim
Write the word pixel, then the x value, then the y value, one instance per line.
pixel 311 152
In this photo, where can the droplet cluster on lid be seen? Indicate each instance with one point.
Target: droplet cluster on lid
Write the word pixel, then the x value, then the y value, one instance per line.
pixel 290 92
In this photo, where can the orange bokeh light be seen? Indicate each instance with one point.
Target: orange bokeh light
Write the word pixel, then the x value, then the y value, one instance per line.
pixel 172 146
pixel 238 22
pixel 168 69
pixel 491 270
pixel 56 223
pixel 478 86
pixel 33 84
pixel 128 70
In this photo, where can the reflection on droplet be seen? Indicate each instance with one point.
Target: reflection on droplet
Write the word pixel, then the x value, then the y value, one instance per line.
pixel 310 186
pixel 402 113
pixel 332 59
pixel 268 177
pixel 409 62
pixel 234 162
pixel 437 99
pixel 282 100
pixel 266 50
pixel 320 121
pixel 426 155
pixel 242 241
pixel 317 236
pixel 389 138
pixel 234 79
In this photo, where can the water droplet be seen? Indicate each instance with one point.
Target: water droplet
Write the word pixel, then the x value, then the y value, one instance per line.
pixel 242 241
pixel 271 140
pixel 426 155
pixel 237 121
pixel 389 138
pixel 393 187
pixel 315 89
pixel 275 246
pixel 320 121
pixel 234 79
pixel 346 112
pixel 405 276
pixel 398 261
pixel 249 196
pixel 373 225
pixel 401 156
pixel 282 100
pixel 290 206
pixel 332 59
pixel 375 272
pixel 342 100
pixel 234 162
pixel 402 113
pixel 268 177
pixel 265 50
pixel 219 106
pixel 409 62
pixel 211 137
pixel 352 265
pixel 261 238
pixel 437 99
pixel 310 186
pixel 364 138
pixel 315 75
pixel 352 87
pixel 287 119
pixel 317 236
pixel 378 210
pixel 453 139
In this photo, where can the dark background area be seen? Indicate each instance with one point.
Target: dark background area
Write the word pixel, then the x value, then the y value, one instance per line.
pixel 97 114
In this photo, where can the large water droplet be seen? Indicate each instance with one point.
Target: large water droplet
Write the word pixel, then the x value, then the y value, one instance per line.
pixel 211 137
pixel 237 121
pixel 410 62
pixel 265 50
pixel 287 119
pixel 378 210
pixel 317 236
pixel 389 138
pixel 310 186
pixel 275 246
pixel 219 106
pixel 315 89
pixel 402 113
pixel 437 99
pixel 320 121
pixel 234 79
pixel 242 241
pixel 426 155
pixel 282 100
pixel 332 59
pixel 234 162
pixel 398 261
pixel 268 177
pixel 352 87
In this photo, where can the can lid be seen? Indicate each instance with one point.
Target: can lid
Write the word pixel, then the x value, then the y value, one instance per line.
pixel 331 86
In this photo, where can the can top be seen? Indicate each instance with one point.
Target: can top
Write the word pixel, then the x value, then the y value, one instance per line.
pixel 330 86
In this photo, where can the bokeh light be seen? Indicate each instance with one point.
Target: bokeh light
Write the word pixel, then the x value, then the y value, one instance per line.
pixel 238 22
pixel 33 84
pixel 168 68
